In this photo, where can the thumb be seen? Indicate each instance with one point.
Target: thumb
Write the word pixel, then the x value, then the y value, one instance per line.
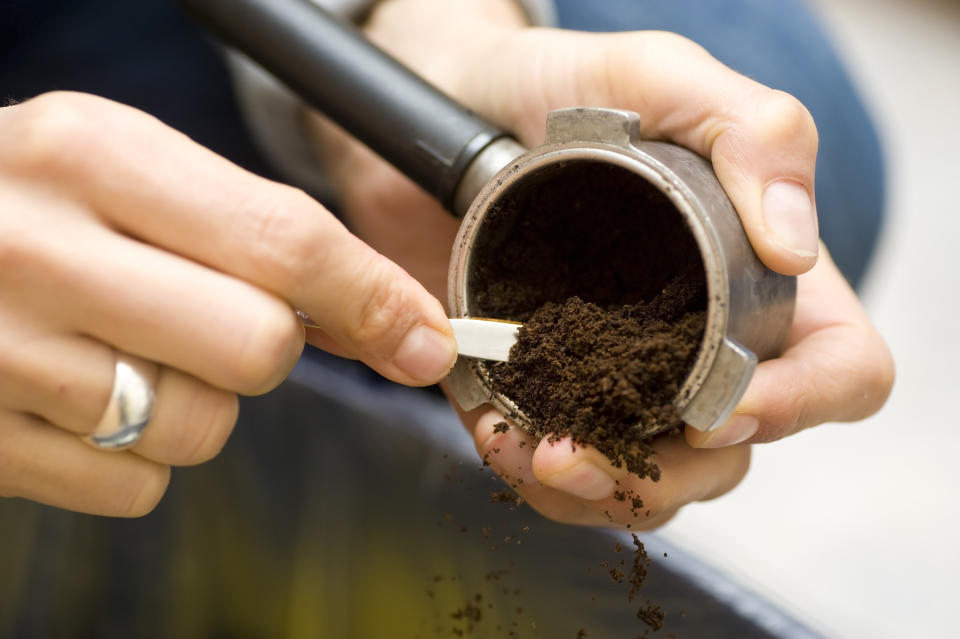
pixel 762 142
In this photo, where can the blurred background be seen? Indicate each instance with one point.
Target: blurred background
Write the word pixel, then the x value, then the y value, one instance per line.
pixel 856 528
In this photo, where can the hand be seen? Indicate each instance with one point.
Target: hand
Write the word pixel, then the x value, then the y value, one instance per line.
pixel 762 144
pixel 120 235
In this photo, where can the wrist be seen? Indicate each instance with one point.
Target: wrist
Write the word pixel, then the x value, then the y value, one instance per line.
pixel 447 42
pixel 442 40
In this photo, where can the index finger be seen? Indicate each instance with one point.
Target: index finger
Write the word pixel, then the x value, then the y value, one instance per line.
pixel 157 185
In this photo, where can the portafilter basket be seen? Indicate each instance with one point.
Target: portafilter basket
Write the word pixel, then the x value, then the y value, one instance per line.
pixel 471 166
pixel 749 307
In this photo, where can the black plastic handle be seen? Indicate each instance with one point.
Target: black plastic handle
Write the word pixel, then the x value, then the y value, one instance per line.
pixel 334 68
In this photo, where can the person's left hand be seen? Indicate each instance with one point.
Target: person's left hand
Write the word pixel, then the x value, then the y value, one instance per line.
pixel 762 144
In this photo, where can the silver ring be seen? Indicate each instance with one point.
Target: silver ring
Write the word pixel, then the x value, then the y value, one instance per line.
pixel 130 406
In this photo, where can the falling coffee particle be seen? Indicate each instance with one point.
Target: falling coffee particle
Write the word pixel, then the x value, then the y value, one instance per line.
pixel 501 427
pixel 505 497
pixel 470 614
pixel 652 615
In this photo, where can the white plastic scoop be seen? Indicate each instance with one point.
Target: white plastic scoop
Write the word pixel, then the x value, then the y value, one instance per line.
pixel 476 336
pixel 485 338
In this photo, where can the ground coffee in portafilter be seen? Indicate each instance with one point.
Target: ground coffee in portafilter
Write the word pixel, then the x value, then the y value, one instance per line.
pixel 608 280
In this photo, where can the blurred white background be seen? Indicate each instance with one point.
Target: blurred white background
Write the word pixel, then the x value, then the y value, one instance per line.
pixel 856 528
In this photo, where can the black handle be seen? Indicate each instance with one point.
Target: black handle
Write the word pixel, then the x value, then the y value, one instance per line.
pixel 334 68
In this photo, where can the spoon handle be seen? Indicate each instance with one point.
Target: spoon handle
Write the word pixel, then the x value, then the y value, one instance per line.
pixel 334 68
pixel 485 338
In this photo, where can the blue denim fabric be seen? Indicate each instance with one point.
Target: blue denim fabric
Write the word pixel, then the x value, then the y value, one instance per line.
pixel 781 44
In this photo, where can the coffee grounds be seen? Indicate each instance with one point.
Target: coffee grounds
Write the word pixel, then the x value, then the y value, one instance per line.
pixel 608 281
pixel 606 377
pixel 607 278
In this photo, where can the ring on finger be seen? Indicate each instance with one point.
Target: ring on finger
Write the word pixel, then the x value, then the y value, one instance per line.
pixel 130 407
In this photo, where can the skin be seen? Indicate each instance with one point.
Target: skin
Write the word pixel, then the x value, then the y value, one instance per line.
pixel 762 144
pixel 118 234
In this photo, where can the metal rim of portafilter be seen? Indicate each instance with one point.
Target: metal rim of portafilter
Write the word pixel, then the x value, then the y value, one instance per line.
pixel 468 164
pixel 749 307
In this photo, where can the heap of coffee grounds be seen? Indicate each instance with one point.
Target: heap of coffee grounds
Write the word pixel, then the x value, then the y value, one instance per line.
pixel 606 377
pixel 608 280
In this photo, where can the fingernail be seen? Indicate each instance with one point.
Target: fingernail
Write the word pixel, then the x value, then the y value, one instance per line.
pixel 791 218
pixel 582 480
pixel 738 428
pixel 425 354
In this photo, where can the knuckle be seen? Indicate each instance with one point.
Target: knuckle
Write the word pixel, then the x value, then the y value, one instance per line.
pixel 383 313
pixel 271 350
pixel 208 426
pixel 794 414
pixel 880 378
pixel 281 237
pixel 737 464
pixel 53 132
pixel 783 118
pixel 660 41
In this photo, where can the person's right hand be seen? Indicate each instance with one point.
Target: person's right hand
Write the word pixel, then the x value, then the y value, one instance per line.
pixel 120 235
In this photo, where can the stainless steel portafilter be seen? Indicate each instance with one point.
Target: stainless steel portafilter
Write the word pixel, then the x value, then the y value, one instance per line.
pixel 477 171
